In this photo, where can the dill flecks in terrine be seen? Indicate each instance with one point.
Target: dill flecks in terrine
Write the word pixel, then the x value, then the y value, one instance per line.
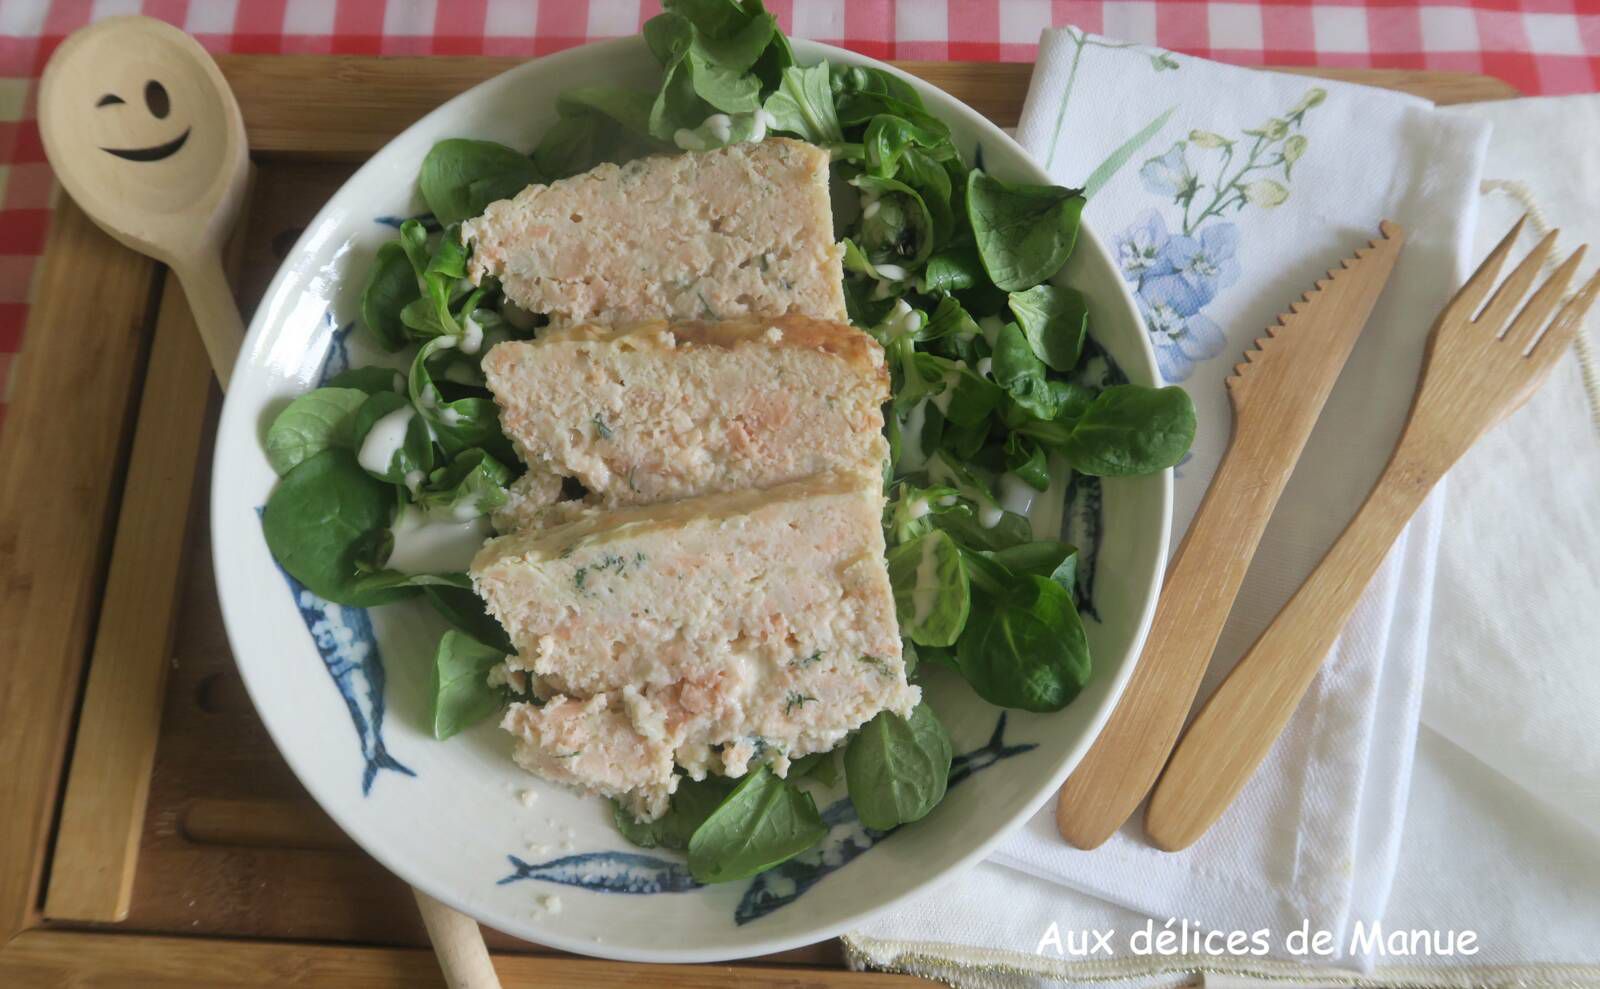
pixel 745 230
pixel 716 629
pixel 657 411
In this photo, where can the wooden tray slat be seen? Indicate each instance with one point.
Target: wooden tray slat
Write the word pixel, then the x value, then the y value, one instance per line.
pixel 347 107
pixel 57 958
pixel 62 457
pixel 115 747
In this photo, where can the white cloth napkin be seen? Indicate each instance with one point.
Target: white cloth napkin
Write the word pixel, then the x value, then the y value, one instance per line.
pixel 1504 830
pixel 1314 836
pixel 1517 636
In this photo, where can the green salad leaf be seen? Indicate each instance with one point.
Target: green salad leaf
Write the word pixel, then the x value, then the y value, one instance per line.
pixel 819 766
pixel 952 269
pixel 1022 374
pixel 692 803
pixel 996 572
pixel 764 821
pixel 1055 320
pixel 371 380
pixel 462 696
pixel 460 178
pixel 931 593
pixel 459 424
pixel 471 485
pixel 310 424
pixel 1126 430
pixel 1024 233
pixel 897 770
pixel 391 286
pixel 466 612
pixel 596 124
pixel 317 523
pixel 896 226
pixel 1026 649
pixel 803 105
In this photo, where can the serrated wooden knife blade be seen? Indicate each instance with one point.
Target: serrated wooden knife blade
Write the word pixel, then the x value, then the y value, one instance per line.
pixel 1277 393
pixel 1309 343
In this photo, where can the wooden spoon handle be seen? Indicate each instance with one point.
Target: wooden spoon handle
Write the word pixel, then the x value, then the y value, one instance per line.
pixel 1236 728
pixel 1201 584
pixel 458 944
pixel 205 284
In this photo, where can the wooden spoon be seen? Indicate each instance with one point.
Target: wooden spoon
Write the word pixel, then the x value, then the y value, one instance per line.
pixel 1479 368
pixel 145 135
pixel 143 132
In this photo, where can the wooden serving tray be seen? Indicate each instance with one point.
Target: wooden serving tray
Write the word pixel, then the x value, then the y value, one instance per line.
pixel 149 831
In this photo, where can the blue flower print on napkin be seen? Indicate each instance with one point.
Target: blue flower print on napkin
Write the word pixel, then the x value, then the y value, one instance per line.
pixel 1183 335
pixel 1207 262
pixel 1170 175
pixel 1177 275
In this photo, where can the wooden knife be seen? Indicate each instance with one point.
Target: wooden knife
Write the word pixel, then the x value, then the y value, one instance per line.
pixel 1277 395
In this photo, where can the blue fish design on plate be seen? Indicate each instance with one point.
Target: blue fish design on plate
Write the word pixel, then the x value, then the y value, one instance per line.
pixel 635 873
pixel 349 651
pixel 427 220
pixel 337 360
pixel 607 872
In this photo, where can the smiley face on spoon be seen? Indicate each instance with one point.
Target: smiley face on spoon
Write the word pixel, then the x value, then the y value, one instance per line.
pixel 146 138
pixel 144 134
pixel 159 103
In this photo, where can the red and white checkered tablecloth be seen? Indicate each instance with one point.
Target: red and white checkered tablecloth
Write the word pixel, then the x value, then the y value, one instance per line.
pixel 1539 46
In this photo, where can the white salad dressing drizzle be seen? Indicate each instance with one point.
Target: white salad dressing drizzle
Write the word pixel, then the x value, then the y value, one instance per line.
pixel 912 455
pixel 436 542
pixel 952 381
pixel 902 319
pixel 926 590
pixel 384 440
pixel 1016 495
pixel 918 508
pixel 717 130
pixel 760 121
pixel 985 366
pixel 471 336
pixel 989 513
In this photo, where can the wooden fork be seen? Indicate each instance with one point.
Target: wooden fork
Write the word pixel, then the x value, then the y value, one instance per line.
pixel 1476 372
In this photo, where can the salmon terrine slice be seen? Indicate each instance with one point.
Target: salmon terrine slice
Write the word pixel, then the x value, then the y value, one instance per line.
pixel 707 632
pixel 657 411
pixel 742 230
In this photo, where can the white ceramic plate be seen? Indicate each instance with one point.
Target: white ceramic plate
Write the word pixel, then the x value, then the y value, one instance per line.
pixel 344 692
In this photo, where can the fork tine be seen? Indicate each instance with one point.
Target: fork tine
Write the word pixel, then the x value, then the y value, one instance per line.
pixel 1470 295
pixel 1511 292
pixel 1536 313
pixel 1556 339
